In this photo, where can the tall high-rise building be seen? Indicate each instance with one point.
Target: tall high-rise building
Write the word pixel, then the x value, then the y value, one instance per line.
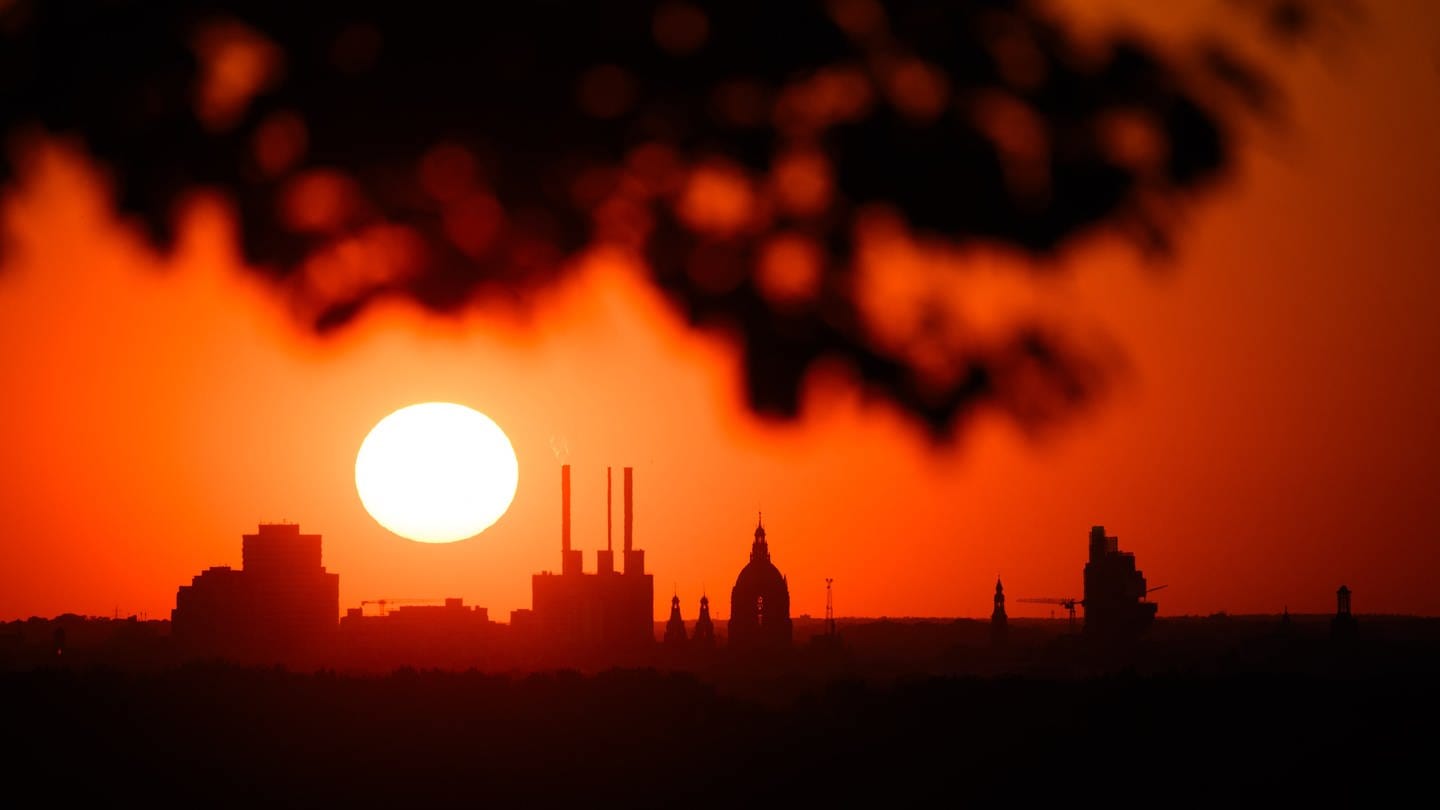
pixel 281 606
pixel 1116 607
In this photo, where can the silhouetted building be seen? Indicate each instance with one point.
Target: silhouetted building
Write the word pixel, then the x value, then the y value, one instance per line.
pixel 281 606
pixel 1286 625
pixel 451 635
pixel 71 639
pixel 704 636
pixel 675 627
pixel 1342 626
pixel 600 615
pixel 1116 607
pixel 760 602
pixel 998 621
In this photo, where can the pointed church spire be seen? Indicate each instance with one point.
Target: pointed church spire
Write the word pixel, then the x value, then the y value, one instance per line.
pixel 675 628
pixel 704 635
pixel 998 620
pixel 760 550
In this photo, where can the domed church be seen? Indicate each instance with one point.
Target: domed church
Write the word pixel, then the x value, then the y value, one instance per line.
pixel 760 602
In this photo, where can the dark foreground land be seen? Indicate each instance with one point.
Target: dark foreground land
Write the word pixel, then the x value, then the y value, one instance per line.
pixel 1266 717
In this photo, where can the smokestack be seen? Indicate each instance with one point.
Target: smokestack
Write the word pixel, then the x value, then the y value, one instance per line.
pixel 634 559
pixel 629 502
pixel 605 560
pixel 565 508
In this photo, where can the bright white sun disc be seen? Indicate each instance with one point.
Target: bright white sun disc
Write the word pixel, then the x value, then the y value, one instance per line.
pixel 436 472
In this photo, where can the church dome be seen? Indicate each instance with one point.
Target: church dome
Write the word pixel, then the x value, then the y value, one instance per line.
pixel 760 576
pixel 760 601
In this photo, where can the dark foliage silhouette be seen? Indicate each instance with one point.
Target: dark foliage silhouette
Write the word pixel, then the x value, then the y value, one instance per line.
pixel 226 736
pixel 743 150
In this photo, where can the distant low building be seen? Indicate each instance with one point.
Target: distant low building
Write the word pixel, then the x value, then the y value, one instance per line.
pixel 1342 625
pixel 448 635
pixel 74 640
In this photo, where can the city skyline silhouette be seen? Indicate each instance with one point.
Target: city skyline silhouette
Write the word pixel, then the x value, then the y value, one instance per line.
pixel 569 680
pixel 977 402
pixel 281 607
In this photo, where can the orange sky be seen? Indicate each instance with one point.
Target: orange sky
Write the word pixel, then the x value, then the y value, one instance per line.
pixel 1274 433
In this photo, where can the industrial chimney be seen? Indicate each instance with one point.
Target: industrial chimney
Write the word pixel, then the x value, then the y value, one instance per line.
pixel 605 559
pixel 629 507
pixel 570 562
pixel 634 558
pixel 564 509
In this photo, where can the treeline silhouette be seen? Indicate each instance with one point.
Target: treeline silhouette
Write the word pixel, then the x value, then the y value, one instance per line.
pixel 871 648
pixel 900 711
pixel 213 735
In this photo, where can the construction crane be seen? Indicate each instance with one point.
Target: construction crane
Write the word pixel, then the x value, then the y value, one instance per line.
pixel 382 603
pixel 1068 603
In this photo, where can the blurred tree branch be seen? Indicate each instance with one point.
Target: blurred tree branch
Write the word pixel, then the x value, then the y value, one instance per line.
pixel 743 150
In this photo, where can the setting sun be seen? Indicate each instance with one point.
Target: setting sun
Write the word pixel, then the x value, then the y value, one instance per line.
pixel 436 472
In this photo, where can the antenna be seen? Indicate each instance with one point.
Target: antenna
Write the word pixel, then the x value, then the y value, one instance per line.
pixel 829 608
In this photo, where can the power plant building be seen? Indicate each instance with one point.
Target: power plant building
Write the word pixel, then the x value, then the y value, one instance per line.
pixel 604 614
